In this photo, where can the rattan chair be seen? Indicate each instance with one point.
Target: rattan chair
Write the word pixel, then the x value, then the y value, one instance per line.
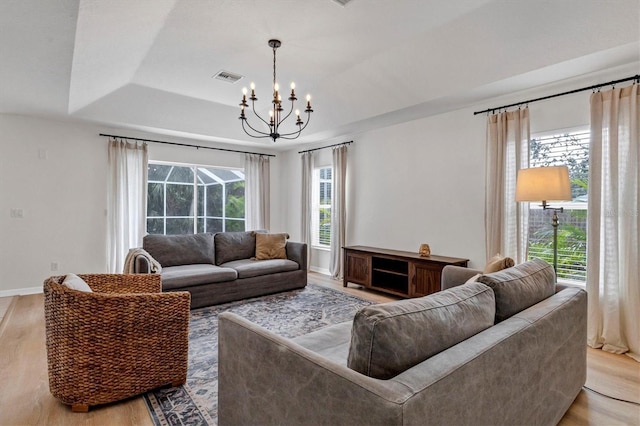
pixel 121 340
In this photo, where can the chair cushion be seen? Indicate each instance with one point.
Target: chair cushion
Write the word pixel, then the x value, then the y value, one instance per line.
pixel 271 246
pixel 74 282
pixel 521 286
pixel 189 275
pixel 389 338
pixel 248 268
pixel 232 246
pixel 183 249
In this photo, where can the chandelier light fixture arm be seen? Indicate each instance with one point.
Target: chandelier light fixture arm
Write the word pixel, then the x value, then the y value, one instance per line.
pixel 246 123
pixel 275 113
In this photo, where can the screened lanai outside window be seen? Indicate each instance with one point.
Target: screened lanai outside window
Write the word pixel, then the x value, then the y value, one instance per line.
pixel 570 149
pixel 186 199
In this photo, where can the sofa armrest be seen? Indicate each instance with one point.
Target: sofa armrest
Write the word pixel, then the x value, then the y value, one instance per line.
pixel 141 265
pixel 455 275
pixel 298 253
pixel 280 382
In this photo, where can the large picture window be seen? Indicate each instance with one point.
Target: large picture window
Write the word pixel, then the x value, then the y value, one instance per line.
pixel 187 199
pixel 570 149
pixel 322 182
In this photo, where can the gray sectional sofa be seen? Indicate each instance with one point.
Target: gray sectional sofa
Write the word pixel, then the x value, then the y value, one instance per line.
pixel 509 349
pixel 217 268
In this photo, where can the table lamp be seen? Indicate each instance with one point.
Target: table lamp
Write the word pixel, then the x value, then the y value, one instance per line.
pixel 545 184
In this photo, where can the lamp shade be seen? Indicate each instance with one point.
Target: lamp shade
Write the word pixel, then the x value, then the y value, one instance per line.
pixel 543 184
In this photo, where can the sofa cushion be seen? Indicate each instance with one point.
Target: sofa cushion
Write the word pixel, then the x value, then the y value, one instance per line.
pixel 271 246
pixel 180 276
pixel 389 338
pixel 521 286
pixel 183 249
pixel 248 268
pixel 232 246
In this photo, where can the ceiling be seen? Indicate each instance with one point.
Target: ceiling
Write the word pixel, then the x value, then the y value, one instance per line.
pixel 148 64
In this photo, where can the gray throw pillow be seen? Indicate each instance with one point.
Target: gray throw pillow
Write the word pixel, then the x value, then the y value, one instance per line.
pixel 389 338
pixel 183 249
pixel 520 286
pixel 232 246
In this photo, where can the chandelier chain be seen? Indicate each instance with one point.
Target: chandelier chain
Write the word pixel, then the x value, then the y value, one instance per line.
pixel 274 68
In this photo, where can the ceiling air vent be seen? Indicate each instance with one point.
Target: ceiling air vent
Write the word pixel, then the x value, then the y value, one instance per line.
pixel 342 2
pixel 227 76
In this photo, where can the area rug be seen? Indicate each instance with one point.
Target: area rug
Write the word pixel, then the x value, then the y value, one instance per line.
pixel 288 314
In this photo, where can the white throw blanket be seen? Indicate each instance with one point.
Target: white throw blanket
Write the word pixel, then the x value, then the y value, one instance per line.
pixel 130 261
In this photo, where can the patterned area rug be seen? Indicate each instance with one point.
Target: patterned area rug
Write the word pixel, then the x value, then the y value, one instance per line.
pixel 288 314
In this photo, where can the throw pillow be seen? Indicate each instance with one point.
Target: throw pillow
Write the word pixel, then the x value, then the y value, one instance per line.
pixel 74 282
pixel 389 338
pixel 271 246
pixel 520 287
pixel 498 263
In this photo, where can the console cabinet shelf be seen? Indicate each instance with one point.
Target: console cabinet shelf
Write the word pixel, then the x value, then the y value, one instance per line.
pixel 401 273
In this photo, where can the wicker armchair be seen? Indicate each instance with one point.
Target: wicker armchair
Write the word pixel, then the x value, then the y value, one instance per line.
pixel 125 338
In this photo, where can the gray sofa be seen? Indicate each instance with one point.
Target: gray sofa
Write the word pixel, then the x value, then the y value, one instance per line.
pixel 525 366
pixel 217 268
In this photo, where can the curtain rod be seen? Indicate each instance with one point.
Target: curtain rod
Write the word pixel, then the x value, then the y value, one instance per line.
pixel 186 144
pixel 570 92
pixel 328 146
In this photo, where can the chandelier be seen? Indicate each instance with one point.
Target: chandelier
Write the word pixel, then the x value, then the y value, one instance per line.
pixel 276 112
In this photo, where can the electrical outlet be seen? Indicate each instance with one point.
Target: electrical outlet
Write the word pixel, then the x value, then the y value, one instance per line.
pixel 17 213
pixel 55 266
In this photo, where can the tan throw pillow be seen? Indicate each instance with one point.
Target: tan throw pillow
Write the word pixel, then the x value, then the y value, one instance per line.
pixel 498 263
pixel 74 282
pixel 271 246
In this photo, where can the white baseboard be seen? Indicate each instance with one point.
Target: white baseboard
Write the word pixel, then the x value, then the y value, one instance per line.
pixel 323 271
pixel 20 291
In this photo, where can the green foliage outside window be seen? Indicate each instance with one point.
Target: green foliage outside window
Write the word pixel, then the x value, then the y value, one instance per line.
pixel 571 150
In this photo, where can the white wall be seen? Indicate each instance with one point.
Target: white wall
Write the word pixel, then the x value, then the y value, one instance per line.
pixel 63 196
pixel 423 181
pixel 56 173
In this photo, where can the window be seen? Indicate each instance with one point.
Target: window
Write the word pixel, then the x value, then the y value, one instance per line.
pixel 186 199
pixel 570 149
pixel 322 207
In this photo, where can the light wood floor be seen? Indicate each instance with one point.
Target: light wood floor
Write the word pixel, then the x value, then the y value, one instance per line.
pixel 25 397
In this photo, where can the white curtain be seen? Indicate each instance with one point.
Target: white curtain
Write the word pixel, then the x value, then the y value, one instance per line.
pixel 306 207
pixel 338 210
pixel 126 200
pixel 507 151
pixel 257 192
pixel 613 280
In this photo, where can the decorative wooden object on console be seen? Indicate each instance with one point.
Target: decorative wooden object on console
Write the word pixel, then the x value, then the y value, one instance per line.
pixel 425 250
pixel 401 273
